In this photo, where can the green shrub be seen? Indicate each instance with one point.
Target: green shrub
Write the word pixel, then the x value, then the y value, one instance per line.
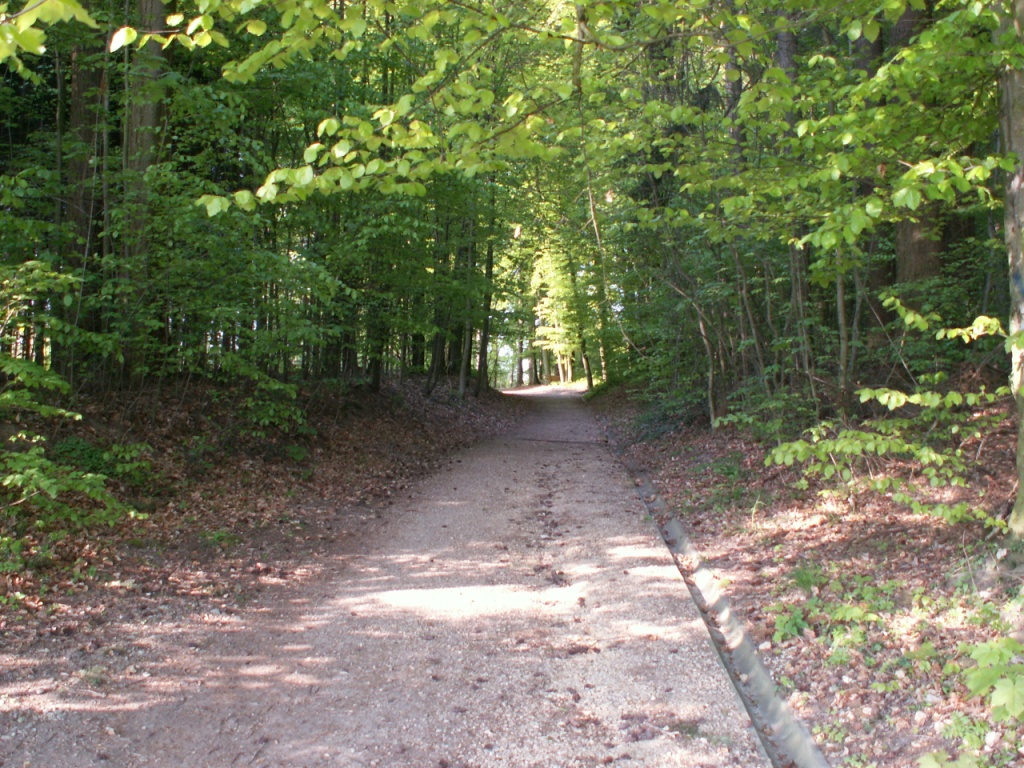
pixel 925 429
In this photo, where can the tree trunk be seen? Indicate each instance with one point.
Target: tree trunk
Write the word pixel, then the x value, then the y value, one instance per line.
pixel 519 363
pixel 466 352
pixel 844 341
pixel 585 362
pixel 917 242
pixel 140 148
pixel 418 351
pixel 917 248
pixel 485 326
pixel 1012 126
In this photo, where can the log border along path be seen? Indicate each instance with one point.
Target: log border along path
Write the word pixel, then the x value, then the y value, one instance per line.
pixel 516 609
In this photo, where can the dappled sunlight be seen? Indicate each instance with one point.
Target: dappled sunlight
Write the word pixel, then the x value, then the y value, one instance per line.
pixel 548 391
pixel 95 705
pixel 272 674
pixel 657 574
pixel 474 602
pixel 670 631
pixel 633 550
pixel 297 648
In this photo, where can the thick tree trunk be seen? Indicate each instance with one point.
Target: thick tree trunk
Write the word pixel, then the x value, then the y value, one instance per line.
pixel 85 100
pixel 1012 125
pixel 418 351
pixel 375 362
pixel 436 363
pixel 140 149
pixel 466 352
pixel 918 248
pixel 81 213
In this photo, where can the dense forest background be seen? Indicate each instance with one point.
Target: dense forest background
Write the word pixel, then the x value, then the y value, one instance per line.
pixel 776 214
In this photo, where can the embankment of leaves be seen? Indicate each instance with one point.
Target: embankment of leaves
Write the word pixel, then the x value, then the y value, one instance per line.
pixel 214 504
pixel 868 615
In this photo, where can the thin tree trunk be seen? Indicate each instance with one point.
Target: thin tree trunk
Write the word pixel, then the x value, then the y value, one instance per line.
pixel 585 360
pixel 709 350
pixel 755 337
pixel 519 363
pixel 844 340
pixel 485 327
pixel 798 307
pixel 467 345
pixel 1012 126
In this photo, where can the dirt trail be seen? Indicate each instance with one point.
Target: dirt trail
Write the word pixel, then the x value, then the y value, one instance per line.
pixel 514 610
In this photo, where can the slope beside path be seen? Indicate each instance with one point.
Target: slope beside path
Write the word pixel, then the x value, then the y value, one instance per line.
pixel 514 609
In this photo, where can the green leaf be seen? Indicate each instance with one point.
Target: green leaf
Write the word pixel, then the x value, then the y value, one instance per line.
pixel 404 105
pixel 312 152
pixel 301 177
pixel 124 36
pixel 214 204
pixel 907 197
pixel 1009 694
pixel 256 27
pixel 330 126
pixel 996 652
pixel 245 200
pixel 341 149
pixel 357 28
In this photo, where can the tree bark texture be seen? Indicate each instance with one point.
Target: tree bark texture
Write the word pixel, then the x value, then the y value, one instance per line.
pixel 1012 126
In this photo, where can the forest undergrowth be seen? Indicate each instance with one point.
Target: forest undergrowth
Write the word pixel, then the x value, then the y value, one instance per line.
pixel 875 621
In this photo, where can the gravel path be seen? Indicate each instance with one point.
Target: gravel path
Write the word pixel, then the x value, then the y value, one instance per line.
pixel 516 609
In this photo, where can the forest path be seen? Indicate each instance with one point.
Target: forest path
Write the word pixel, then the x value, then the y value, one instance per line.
pixel 515 609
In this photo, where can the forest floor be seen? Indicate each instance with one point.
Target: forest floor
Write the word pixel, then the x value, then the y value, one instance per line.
pixel 865 615
pixel 860 615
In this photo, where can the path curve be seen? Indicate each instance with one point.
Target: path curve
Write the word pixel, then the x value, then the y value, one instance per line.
pixel 515 609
